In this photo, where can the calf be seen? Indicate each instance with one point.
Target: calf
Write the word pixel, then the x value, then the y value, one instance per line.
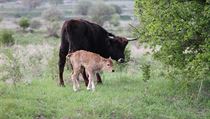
pixel 93 63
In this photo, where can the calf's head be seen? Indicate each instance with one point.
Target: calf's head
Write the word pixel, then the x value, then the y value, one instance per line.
pixel 107 65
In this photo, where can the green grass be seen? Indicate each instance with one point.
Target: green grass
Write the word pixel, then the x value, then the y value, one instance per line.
pixel 34 38
pixel 121 96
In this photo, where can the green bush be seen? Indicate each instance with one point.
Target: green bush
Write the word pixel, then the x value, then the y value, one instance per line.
pixel 181 29
pixel 6 37
pixel 24 23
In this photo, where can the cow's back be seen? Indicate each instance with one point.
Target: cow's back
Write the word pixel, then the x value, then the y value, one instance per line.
pixel 84 35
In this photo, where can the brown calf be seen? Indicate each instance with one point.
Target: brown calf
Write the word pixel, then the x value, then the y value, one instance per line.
pixel 93 63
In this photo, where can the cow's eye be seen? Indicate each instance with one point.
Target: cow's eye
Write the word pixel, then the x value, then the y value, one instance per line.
pixel 108 64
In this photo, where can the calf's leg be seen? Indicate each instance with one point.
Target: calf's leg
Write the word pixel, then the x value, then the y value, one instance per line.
pixel 85 77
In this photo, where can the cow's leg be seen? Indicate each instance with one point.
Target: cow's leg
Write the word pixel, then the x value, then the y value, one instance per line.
pixel 99 81
pixel 62 60
pixel 85 77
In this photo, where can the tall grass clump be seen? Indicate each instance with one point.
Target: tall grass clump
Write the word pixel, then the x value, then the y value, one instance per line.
pixel 10 69
pixel 6 37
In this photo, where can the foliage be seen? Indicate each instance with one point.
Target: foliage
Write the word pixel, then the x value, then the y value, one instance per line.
pixel 24 23
pixel 11 68
pixel 146 71
pixel 52 14
pixel 181 29
pixel 83 7
pixel 31 4
pixel 35 24
pixel 117 8
pixel 115 20
pixel 100 13
pixel 53 65
pixel 52 29
pixel 6 37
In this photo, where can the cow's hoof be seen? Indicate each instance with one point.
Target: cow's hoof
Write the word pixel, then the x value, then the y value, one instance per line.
pixel 61 85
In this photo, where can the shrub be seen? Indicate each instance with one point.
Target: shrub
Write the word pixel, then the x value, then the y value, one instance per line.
pixel 115 20
pixel 83 7
pixel 24 23
pixel 35 24
pixel 11 68
pixel 182 30
pixel 100 13
pixel 146 71
pixel 52 14
pixel 6 37
pixel 52 29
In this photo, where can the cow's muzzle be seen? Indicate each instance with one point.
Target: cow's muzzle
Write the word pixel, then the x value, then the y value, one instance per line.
pixel 121 60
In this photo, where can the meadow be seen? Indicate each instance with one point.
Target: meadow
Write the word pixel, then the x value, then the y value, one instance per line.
pixel 142 88
pixel 123 94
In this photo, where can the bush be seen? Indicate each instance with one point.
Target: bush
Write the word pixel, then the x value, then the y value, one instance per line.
pixel 6 37
pixel 182 30
pixel 100 13
pixel 52 14
pixel 52 29
pixel 115 20
pixel 83 7
pixel 35 24
pixel 24 23
pixel 11 68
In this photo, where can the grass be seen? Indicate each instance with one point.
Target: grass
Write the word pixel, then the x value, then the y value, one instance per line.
pixel 121 96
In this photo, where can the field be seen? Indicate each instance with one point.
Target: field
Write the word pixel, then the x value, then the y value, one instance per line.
pixel 121 96
pixel 142 88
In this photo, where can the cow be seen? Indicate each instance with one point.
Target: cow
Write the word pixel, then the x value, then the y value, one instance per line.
pixel 79 34
pixel 92 62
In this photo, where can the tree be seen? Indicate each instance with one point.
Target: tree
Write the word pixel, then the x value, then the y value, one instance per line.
pixel 83 7
pixel 24 23
pixel 181 28
pixel 100 12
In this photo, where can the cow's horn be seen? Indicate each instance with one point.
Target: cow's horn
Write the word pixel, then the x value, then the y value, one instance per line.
pixel 132 39
pixel 111 37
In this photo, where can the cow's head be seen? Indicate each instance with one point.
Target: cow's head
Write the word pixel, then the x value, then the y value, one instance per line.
pixel 116 47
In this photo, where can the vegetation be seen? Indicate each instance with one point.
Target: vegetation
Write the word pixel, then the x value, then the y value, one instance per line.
pixel 24 23
pixel 35 24
pixel 6 37
pixel 101 13
pixel 83 7
pixel 171 82
pixel 181 29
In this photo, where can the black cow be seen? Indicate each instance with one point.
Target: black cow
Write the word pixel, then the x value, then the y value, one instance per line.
pixel 84 35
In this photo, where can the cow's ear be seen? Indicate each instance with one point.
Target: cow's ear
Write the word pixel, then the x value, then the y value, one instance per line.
pixel 110 58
